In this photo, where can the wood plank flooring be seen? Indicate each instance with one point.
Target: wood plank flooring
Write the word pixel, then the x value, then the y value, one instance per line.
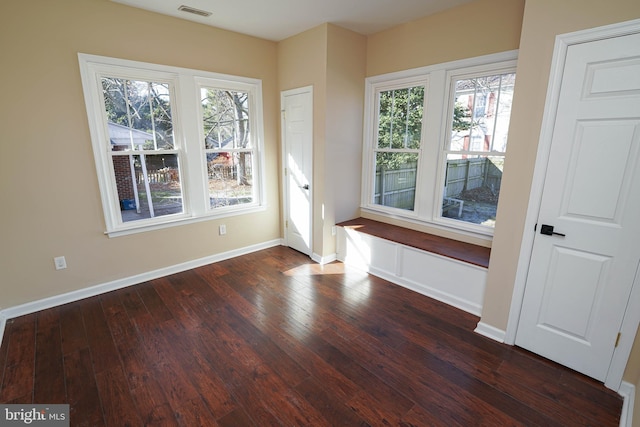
pixel 271 339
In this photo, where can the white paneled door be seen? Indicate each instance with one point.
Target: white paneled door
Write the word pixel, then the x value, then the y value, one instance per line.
pixel 586 251
pixel 297 148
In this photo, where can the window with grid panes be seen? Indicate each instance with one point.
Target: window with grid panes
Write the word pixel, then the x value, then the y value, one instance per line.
pixel 397 153
pixel 228 146
pixel 435 142
pixel 172 145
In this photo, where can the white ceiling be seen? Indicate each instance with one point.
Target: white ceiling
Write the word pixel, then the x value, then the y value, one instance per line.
pixel 278 19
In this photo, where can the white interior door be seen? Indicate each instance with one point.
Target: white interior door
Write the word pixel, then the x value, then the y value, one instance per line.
pixel 297 135
pixel 579 280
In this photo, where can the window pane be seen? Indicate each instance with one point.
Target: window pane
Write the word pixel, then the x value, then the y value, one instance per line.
pixel 230 178
pixel 482 107
pixel 480 122
pixel 148 185
pixel 225 116
pixel 395 180
pixel 472 187
pixel 400 118
pixel 138 114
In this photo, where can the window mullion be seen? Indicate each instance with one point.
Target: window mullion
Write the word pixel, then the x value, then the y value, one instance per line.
pixel 474 108
pixel 495 113
pixel 430 145
pixel 153 120
pixel 128 105
pixel 392 114
pixel 406 120
pixel 194 157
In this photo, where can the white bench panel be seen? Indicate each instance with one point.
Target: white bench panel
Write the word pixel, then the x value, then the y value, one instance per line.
pixel 454 282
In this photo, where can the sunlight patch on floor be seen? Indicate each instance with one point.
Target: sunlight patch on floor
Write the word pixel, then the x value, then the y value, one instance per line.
pixel 317 269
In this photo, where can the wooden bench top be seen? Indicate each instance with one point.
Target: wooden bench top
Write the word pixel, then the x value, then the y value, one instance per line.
pixel 461 251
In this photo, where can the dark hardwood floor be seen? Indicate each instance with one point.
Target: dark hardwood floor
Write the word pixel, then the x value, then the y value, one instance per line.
pixel 271 339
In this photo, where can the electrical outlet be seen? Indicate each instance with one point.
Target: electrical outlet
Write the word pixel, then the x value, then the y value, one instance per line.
pixel 60 262
pixel 222 230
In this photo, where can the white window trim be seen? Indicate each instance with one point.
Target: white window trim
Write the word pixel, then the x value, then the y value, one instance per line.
pixel 436 118
pixel 188 139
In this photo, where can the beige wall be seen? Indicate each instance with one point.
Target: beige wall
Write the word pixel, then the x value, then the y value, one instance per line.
pixel 50 203
pixel 331 59
pixel 478 28
pixel 346 62
pixel 302 61
pixel 543 20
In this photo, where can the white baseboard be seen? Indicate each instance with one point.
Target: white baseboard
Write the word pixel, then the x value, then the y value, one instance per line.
pixel 323 260
pixel 490 332
pixel 45 303
pixel 628 392
pixel 429 291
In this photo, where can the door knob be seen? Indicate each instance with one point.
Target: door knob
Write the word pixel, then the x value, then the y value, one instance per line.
pixel 305 187
pixel 547 230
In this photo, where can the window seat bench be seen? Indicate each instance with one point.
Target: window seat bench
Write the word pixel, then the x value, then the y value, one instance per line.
pixel 444 269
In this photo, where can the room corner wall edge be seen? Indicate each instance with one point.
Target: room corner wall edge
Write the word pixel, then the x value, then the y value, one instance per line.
pixel 489 331
pixel 57 300
pixel 322 260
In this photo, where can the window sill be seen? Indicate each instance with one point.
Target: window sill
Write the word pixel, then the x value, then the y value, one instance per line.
pixel 181 220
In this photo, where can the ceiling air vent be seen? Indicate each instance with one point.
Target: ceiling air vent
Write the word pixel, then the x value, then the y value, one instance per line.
pixel 193 10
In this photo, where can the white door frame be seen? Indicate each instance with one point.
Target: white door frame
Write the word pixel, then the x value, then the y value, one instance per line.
pixel 632 314
pixel 283 151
